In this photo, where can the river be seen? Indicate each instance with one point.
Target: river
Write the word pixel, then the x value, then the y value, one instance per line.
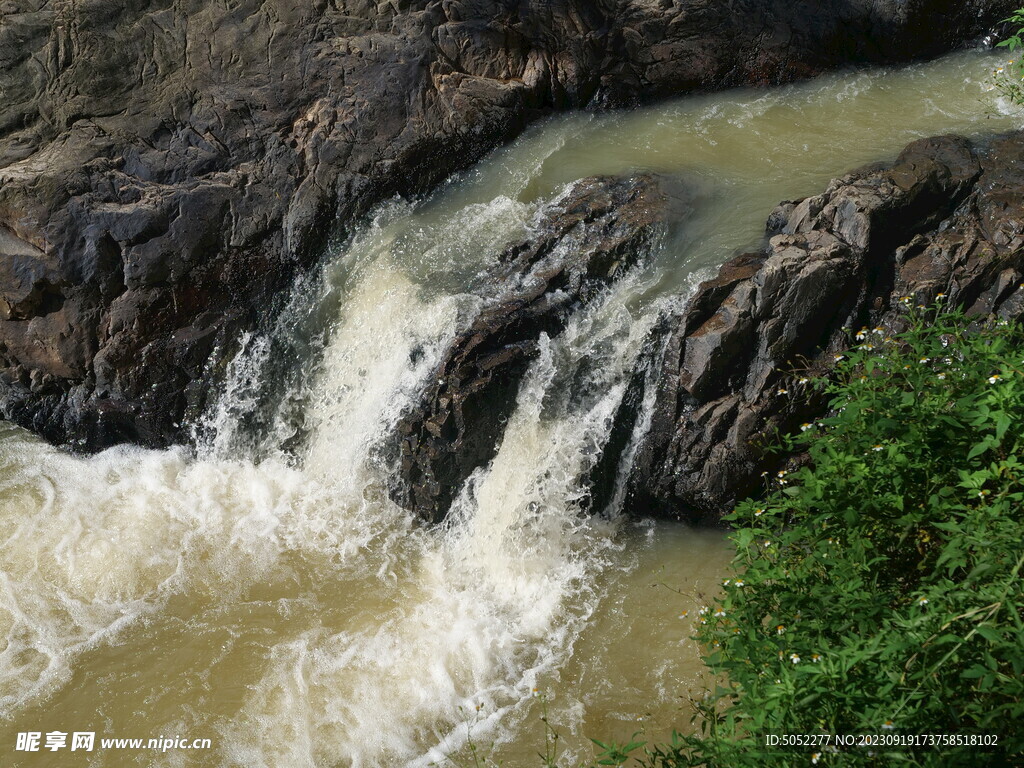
pixel 262 590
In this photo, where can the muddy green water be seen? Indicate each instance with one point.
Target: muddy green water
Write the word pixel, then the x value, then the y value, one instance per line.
pixel 277 603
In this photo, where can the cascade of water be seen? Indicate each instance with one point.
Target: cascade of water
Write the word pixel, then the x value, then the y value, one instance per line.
pixel 266 591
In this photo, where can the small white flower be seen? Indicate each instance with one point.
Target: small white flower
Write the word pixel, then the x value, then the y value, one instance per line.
pixel 780 630
pixel 804 380
pixel 720 614
pixel 888 725
pixel 794 658
pixel 878 448
pixel 815 757
pixel 922 601
pixel 994 379
pixel 942 375
pixel 837 358
pixel 805 427
pixel 783 391
pixel 758 512
pixel 740 582
pixel 923 360
pixel 702 611
pixel 861 334
pixel 816 657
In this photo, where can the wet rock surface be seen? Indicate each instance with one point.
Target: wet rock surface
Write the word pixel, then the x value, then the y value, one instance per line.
pixel 947 217
pixel 582 242
pixel 168 166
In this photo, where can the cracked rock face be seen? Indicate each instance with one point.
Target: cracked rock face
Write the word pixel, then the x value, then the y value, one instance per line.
pixel 946 217
pixel 168 166
pixel 583 242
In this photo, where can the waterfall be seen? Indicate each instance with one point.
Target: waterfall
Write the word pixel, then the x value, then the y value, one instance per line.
pixel 261 588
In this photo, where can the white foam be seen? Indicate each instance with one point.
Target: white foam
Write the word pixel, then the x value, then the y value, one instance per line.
pixel 488 607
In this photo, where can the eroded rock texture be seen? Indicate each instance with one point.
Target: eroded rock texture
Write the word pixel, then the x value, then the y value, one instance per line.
pixel 946 217
pixel 583 242
pixel 167 165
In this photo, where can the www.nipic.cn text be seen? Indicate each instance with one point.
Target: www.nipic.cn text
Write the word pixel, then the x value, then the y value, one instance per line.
pixel 85 741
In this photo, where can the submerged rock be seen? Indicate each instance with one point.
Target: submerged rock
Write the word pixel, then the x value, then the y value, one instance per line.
pixel 166 170
pixel 946 217
pixel 582 242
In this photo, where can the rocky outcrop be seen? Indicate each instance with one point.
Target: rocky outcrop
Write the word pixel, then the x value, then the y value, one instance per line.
pixel 167 166
pixel 946 217
pixel 582 242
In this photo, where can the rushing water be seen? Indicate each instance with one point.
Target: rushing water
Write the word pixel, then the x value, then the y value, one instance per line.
pixel 266 594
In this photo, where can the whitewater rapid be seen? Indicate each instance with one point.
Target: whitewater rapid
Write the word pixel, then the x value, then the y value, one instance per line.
pixel 261 589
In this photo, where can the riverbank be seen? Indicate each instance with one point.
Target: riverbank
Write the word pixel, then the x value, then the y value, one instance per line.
pixel 877 589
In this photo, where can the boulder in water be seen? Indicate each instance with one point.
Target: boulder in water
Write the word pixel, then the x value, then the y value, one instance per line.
pixel 946 217
pixel 586 239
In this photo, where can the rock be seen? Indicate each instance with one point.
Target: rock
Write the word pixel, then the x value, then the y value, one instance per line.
pixel 166 170
pixel 946 217
pixel 581 243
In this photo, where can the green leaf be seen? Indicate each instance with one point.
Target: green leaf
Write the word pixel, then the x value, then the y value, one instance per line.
pixel 978 449
pixel 1002 424
pixel 990 634
pixel 975 672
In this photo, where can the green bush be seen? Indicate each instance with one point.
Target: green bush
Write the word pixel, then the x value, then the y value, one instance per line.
pixel 1009 79
pixel 878 588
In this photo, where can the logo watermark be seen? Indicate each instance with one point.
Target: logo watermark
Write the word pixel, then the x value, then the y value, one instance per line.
pixel 85 741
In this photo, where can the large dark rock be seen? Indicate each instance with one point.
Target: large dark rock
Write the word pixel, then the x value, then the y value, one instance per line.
pixel 166 168
pixel 582 242
pixel 946 217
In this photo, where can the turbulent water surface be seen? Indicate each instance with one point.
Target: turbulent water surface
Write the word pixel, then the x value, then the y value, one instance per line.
pixel 263 592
